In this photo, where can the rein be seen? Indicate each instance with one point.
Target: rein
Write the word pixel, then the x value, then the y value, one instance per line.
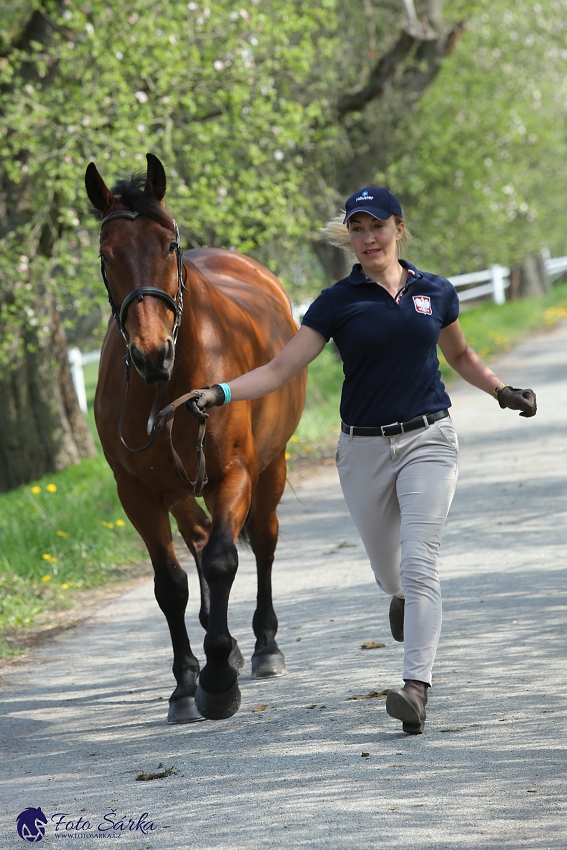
pixel 167 415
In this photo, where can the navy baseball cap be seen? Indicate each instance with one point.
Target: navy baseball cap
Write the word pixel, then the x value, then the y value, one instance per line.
pixel 376 201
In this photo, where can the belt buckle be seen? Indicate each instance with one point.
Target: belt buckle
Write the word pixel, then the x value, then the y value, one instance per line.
pixel 391 425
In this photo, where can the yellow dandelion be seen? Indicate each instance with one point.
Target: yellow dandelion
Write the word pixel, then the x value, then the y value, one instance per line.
pixel 52 559
pixel 107 524
pixel 294 439
pixel 36 489
pixel 65 586
pixel 63 534
pixel 120 523
pixel 51 488
pixel 46 578
pixel 46 556
pixel 287 455
pixel 308 448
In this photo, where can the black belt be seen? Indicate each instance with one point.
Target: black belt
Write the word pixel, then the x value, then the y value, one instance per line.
pixel 396 427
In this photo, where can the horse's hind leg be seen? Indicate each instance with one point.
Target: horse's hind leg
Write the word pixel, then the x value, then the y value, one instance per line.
pixel 170 583
pixel 195 527
pixel 262 527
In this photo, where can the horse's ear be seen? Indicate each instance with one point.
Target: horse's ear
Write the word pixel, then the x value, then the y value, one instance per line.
pixel 100 197
pixel 155 177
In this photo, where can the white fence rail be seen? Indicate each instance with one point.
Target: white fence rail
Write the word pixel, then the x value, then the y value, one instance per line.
pixel 555 266
pixel 497 282
pixel 493 282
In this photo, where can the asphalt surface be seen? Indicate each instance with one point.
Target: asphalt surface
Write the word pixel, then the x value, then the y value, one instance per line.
pixel 84 715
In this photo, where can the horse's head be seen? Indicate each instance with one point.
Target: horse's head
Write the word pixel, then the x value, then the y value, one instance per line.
pixel 141 266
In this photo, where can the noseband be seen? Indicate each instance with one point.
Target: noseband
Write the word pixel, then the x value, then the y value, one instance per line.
pixel 154 425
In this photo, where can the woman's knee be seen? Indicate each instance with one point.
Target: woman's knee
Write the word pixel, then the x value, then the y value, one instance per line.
pixel 388 580
pixel 418 566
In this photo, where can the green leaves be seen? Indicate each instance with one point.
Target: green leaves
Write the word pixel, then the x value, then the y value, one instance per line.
pixel 213 90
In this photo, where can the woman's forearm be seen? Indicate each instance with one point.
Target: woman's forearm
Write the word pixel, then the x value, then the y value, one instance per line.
pixel 299 351
pixel 470 366
pixel 256 383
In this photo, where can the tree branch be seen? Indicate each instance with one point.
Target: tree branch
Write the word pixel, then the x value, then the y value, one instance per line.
pixel 382 72
pixel 419 41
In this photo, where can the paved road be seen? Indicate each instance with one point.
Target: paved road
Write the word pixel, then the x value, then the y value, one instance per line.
pixel 84 715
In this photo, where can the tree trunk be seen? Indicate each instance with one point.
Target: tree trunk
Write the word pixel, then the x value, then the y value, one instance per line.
pixel 532 277
pixel 334 260
pixel 42 428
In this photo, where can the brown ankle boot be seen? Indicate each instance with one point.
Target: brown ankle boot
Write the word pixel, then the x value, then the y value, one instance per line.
pixel 397 608
pixel 408 705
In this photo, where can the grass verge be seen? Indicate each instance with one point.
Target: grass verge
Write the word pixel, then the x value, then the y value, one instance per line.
pixel 58 537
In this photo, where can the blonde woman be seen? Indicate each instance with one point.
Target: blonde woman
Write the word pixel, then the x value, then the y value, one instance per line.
pixel 397 451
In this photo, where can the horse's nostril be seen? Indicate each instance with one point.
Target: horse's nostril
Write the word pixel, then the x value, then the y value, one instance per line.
pixel 138 358
pixel 167 353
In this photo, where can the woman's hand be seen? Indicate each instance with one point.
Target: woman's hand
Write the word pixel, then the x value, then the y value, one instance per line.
pixel 200 400
pixel 515 399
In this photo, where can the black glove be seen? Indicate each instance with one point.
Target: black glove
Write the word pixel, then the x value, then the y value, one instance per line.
pixel 202 399
pixel 515 399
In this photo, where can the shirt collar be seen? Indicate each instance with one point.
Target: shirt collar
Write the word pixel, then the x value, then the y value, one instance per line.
pixel 357 276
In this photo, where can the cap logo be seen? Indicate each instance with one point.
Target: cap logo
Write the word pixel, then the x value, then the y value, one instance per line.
pixel 365 197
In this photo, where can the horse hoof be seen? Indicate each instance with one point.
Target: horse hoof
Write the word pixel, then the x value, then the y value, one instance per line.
pixel 268 666
pixel 236 659
pixel 218 706
pixel 184 710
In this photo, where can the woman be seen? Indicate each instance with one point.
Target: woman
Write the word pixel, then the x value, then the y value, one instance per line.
pixel 397 451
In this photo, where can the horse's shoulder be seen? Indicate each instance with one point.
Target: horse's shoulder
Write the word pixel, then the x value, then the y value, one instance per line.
pixel 229 268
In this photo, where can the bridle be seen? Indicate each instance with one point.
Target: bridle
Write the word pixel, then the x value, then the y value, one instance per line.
pixel 175 307
pixel 166 416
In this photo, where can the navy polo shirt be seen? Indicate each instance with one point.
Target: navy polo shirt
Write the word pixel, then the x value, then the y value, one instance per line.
pixel 388 345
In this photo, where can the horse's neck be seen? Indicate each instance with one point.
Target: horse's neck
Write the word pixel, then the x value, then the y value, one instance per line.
pixel 204 308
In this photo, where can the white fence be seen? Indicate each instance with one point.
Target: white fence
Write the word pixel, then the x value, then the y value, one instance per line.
pixel 76 362
pixel 497 282
pixel 493 282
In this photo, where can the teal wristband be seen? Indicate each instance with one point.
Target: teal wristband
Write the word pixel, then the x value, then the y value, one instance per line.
pixel 227 393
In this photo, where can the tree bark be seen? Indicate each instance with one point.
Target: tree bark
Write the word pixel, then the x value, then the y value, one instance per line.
pixel 42 428
pixel 334 260
pixel 532 277
pixel 414 59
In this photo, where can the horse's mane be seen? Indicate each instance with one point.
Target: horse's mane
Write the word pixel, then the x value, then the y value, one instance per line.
pixel 133 197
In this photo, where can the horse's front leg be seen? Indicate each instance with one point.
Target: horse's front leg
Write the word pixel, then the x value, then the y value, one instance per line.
pixel 195 527
pixel 152 523
pixel 218 695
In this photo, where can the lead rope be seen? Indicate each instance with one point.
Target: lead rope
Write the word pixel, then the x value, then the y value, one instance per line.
pixel 167 416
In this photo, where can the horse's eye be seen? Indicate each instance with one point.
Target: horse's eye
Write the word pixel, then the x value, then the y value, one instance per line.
pixel 172 247
pixel 104 258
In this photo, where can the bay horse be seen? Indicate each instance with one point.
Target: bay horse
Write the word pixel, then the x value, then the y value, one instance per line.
pixel 191 320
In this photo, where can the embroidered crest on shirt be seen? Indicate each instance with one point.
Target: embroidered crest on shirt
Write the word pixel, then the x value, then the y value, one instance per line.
pixel 422 304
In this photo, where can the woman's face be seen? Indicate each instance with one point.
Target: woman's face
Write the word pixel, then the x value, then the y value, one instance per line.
pixel 374 242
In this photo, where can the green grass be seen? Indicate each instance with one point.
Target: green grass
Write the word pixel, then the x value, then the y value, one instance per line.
pixel 63 533
pixel 68 532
